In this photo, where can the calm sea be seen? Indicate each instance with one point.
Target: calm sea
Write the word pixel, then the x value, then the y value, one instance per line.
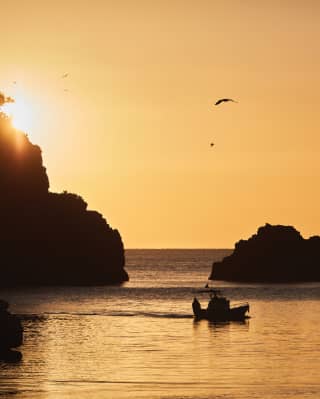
pixel 140 340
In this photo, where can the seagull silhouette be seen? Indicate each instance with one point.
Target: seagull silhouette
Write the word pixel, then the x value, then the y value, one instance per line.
pixel 225 100
pixel 211 144
pixel 65 75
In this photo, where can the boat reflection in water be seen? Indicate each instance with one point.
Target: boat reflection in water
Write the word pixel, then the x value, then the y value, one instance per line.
pixel 219 309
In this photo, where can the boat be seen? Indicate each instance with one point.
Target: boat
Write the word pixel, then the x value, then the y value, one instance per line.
pixel 219 309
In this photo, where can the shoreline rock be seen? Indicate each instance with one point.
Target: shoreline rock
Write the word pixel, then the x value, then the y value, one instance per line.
pixel 11 334
pixel 49 238
pixel 276 254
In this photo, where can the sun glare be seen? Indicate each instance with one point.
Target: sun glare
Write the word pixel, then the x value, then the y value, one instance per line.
pixel 21 113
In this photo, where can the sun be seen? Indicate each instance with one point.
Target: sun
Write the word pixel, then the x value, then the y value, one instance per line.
pixel 21 113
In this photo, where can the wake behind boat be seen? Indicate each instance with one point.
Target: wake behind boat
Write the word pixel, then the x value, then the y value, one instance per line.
pixel 219 309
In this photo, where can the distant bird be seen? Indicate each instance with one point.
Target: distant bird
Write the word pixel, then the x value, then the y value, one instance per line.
pixel 65 75
pixel 225 100
pixel 65 89
pixel 14 82
pixel 211 144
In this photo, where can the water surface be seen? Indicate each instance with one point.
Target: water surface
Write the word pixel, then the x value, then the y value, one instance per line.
pixel 140 340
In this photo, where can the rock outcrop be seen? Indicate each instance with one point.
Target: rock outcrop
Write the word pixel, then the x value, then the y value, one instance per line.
pixel 48 238
pixel 11 334
pixel 275 254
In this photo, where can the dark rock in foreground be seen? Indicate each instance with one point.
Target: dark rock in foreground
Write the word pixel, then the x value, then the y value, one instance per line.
pixel 276 254
pixel 11 333
pixel 48 238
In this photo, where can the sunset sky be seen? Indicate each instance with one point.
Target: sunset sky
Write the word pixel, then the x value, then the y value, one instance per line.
pixel 132 132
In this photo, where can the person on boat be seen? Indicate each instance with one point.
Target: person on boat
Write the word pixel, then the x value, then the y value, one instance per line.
pixel 211 303
pixel 217 303
pixel 195 301
pixel 196 306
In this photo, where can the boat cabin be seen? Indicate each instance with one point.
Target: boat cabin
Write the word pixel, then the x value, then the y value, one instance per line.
pixel 218 303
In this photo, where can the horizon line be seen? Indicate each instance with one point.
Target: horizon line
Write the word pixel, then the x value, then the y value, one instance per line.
pixel 178 248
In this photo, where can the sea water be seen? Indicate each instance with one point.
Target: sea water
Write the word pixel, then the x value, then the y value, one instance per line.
pixel 140 340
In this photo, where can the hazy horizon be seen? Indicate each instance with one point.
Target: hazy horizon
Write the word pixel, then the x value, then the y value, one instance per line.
pixel 185 249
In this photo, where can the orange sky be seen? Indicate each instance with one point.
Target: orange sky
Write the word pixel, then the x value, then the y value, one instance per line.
pixel 132 133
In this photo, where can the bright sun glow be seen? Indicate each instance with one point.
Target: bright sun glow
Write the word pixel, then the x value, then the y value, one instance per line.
pixel 21 113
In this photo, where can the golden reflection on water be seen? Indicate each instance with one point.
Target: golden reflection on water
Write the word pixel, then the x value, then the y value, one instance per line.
pixel 272 355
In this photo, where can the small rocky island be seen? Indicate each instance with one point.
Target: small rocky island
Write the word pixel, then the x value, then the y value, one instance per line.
pixel 276 254
pixel 48 238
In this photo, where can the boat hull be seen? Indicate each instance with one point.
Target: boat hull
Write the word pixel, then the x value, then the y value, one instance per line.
pixel 233 314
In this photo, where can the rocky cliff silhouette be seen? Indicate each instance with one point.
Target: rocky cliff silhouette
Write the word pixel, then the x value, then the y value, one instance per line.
pixel 48 238
pixel 276 254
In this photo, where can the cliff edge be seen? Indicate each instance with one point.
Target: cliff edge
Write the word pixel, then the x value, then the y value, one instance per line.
pixel 48 238
pixel 276 254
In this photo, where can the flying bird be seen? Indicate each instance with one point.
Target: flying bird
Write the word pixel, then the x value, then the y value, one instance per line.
pixel 224 100
pixel 211 144
pixel 65 75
